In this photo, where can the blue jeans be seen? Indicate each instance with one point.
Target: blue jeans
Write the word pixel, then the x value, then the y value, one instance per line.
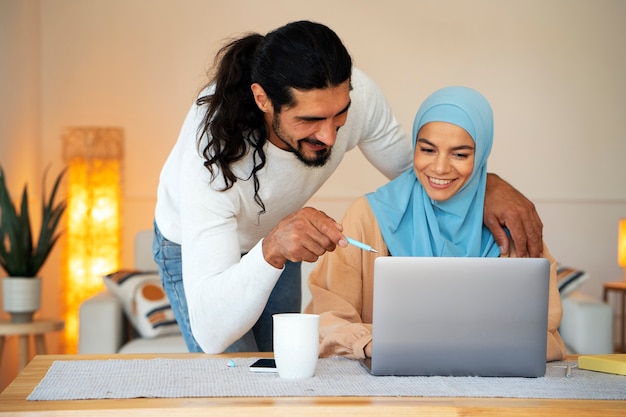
pixel 286 297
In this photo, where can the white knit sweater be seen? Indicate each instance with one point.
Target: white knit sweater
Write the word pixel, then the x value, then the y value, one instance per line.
pixel 226 293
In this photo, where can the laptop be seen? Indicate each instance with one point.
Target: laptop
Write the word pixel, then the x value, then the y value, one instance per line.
pixel 460 316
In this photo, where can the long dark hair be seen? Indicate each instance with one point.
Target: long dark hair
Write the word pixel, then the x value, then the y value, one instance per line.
pixel 302 55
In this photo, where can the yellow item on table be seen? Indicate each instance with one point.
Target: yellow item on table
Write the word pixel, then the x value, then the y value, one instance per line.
pixel 612 363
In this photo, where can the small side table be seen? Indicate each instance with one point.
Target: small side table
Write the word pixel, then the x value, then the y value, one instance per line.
pixel 36 328
pixel 620 288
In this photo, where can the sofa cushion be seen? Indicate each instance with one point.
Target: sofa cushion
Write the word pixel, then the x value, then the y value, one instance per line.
pixel 144 301
pixel 569 279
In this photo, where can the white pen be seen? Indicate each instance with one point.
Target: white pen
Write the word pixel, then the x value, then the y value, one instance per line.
pixel 361 245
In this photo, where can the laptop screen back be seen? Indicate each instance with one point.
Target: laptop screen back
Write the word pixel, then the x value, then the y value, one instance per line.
pixel 460 316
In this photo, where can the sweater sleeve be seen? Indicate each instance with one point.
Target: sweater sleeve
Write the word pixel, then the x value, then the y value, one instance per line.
pixel 556 347
pixel 341 286
pixel 382 140
pixel 225 291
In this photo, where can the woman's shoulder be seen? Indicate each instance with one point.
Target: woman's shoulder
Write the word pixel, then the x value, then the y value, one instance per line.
pixel 359 208
pixel 359 219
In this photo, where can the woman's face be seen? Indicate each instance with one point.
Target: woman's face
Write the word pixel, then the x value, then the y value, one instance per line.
pixel 443 159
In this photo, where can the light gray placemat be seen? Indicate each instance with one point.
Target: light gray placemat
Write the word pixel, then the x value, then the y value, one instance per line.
pixel 212 377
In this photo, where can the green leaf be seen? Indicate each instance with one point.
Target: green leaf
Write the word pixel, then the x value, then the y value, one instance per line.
pixel 18 255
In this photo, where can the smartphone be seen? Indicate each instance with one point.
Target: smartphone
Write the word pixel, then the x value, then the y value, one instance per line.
pixel 264 365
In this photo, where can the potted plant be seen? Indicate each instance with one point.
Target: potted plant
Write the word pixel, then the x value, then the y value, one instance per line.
pixel 20 257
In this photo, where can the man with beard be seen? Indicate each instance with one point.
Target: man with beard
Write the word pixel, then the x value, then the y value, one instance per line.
pixel 271 127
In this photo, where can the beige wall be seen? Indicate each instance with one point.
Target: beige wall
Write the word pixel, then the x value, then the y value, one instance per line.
pixel 553 71
pixel 20 92
pixel 20 127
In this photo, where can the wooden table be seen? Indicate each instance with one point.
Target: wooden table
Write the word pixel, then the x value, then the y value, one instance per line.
pixel 618 287
pixel 13 401
pixel 35 328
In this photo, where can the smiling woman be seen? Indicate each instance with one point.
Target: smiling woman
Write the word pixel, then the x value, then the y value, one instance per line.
pixel 432 210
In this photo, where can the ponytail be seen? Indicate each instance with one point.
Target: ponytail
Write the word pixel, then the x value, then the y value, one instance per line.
pixel 232 113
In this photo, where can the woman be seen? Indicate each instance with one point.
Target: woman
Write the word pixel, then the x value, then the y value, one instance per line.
pixel 434 209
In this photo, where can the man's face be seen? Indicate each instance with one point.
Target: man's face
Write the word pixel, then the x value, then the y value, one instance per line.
pixel 309 128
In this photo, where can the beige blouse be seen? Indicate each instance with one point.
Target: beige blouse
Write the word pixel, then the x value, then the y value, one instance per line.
pixel 341 287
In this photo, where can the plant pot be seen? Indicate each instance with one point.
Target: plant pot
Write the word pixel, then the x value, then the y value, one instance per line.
pixel 21 297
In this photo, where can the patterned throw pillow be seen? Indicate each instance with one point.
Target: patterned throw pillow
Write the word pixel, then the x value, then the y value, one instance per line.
pixel 569 278
pixel 144 301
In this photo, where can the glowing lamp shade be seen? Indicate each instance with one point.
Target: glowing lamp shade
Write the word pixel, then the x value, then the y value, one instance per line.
pixel 94 157
pixel 621 246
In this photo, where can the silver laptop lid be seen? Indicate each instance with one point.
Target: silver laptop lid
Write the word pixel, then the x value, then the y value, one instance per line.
pixel 460 316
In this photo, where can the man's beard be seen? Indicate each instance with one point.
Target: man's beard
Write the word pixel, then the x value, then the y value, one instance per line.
pixel 320 158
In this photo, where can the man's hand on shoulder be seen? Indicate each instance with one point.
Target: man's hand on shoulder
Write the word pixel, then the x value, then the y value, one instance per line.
pixel 507 207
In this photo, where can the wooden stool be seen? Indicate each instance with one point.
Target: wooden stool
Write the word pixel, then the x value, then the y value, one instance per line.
pixel 36 328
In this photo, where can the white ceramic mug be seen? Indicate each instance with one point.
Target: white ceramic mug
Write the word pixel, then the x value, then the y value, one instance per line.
pixel 296 344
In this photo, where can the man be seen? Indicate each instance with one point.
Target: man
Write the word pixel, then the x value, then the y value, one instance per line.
pixel 268 131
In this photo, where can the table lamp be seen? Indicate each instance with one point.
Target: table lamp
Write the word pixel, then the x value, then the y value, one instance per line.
pixel 621 246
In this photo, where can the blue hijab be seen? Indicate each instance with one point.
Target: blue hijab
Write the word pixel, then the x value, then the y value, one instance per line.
pixel 414 225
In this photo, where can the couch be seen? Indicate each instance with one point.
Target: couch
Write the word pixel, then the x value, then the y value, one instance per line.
pixel 587 325
pixel 104 325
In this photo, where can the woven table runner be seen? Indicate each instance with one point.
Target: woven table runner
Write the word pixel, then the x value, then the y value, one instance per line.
pixel 216 377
